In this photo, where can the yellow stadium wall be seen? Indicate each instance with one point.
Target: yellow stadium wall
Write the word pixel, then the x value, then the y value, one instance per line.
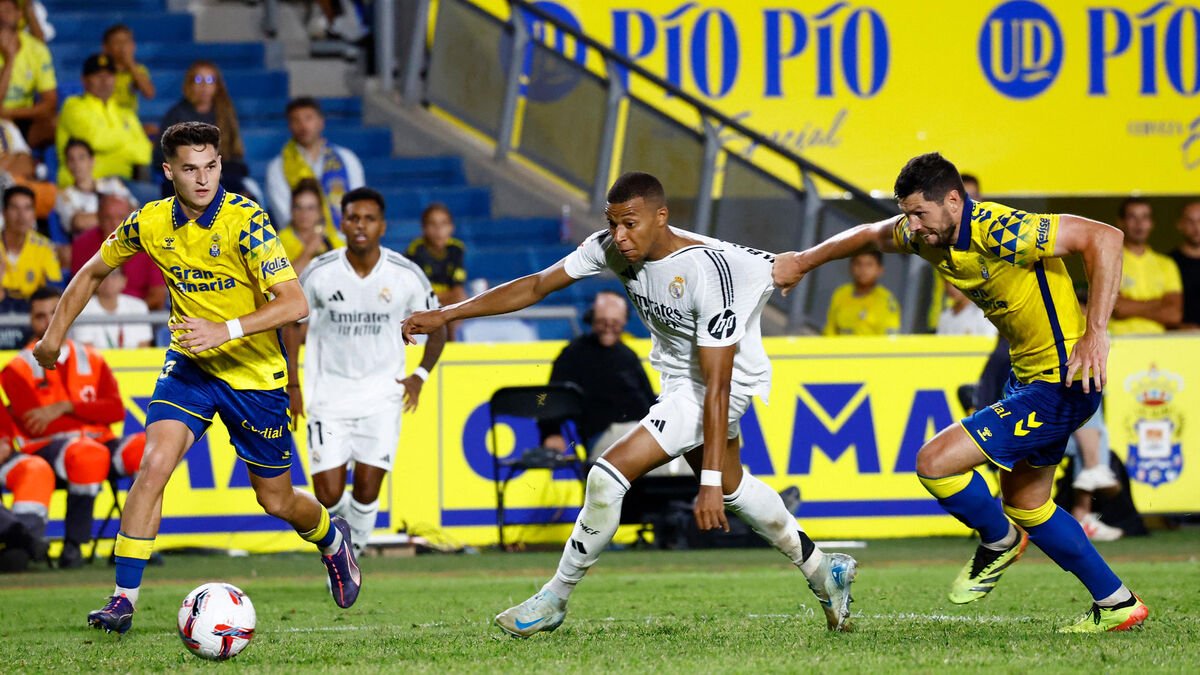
pixel 845 420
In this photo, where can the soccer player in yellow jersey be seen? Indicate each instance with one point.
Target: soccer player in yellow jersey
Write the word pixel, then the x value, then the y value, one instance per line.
pixel 1151 297
pixel 863 307
pixel 231 288
pixel 1008 262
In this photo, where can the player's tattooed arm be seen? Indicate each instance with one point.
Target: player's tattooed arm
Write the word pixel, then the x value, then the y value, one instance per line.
pixel 716 367
pixel 505 298
pixel 1100 245
pixel 791 267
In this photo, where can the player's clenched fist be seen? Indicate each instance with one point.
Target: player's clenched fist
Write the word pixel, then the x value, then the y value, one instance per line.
pixel 788 270
pixel 710 509
pixel 46 354
pixel 422 323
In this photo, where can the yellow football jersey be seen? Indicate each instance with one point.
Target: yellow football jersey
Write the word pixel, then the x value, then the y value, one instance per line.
pixel 217 267
pixel 876 313
pixel 1003 261
pixel 1145 277
pixel 36 266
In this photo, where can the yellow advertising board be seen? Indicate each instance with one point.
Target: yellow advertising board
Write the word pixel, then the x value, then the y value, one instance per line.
pixel 1063 97
pixel 846 418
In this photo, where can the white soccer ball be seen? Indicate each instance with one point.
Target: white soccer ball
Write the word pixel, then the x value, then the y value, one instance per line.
pixel 216 621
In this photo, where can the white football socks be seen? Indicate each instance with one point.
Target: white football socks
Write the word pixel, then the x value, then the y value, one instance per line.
pixel 362 522
pixel 131 594
pixel 1117 597
pixel 1005 543
pixel 342 507
pixel 762 508
pixel 594 528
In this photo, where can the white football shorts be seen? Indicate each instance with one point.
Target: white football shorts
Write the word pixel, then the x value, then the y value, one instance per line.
pixel 372 440
pixel 676 421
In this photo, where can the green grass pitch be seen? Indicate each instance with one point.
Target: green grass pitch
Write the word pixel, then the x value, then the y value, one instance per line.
pixel 696 612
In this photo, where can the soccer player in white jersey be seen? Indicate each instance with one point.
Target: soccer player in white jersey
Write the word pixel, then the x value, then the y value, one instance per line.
pixel 701 299
pixel 354 370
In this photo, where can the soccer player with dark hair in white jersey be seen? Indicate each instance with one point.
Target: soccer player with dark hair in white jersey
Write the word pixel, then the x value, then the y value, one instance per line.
pixel 354 371
pixel 702 300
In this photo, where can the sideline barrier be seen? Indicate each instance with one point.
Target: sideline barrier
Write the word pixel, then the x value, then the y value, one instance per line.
pixel 845 421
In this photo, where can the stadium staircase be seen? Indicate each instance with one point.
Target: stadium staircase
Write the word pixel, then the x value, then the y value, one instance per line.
pixel 498 248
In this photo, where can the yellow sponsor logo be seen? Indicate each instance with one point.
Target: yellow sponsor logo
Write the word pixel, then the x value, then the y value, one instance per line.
pixel 270 433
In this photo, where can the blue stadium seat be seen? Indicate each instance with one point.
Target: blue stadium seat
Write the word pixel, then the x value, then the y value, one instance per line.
pixel 498 263
pixel 464 201
pixel 89 26
pixel 57 6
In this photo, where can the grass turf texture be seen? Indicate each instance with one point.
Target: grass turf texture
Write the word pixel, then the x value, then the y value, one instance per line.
pixel 700 611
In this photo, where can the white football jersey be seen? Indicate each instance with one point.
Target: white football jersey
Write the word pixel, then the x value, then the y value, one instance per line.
pixel 354 351
pixel 707 295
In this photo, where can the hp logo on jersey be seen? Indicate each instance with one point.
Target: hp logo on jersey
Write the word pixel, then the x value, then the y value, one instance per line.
pixel 721 326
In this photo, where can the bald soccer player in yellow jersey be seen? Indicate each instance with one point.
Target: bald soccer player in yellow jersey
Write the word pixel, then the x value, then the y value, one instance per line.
pixel 231 288
pixel 1008 262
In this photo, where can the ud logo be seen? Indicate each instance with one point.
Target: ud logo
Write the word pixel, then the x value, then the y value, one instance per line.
pixel 721 326
pixel 1155 452
pixel 1020 49
pixel 985 433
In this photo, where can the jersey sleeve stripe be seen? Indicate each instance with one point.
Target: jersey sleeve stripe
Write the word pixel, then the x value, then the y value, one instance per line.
pixel 723 275
pixel 321 261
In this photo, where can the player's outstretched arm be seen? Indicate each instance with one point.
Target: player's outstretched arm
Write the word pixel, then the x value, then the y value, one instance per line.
pixel 716 367
pixel 509 297
pixel 791 267
pixel 294 335
pixel 1100 245
pixel 287 306
pixel 81 289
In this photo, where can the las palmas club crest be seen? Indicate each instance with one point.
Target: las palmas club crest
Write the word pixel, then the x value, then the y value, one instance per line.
pixel 1155 455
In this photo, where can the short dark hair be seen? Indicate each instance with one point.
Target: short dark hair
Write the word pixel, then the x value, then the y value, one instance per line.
pixel 930 174
pixel 434 208
pixel 303 102
pixel 191 134
pixel 1128 202
pixel 362 194
pixel 113 30
pixel 971 178
pixel 17 190
pixel 78 143
pixel 44 292
pixel 636 184
pixel 872 251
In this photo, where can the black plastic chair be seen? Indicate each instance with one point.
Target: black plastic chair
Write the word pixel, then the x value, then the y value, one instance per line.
pixel 541 402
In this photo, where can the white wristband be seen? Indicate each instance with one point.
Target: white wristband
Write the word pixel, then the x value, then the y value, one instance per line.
pixel 421 373
pixel 235 328
pixel 710 478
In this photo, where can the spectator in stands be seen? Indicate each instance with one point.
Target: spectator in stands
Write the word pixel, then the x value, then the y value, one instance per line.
pixel 1187 258
pixel 31 97
pixel 31 259
pixel 863 307
pixel 335 19
pixel 616 391
pixel 962 317
pixel 971 184
pixel 114 132
pixel 206 99
pixel 110 301
pixel 308 155
pixel 142 278
pixel 440 255
pixel 132 78
pixel 309 234
pixel 79 203
pixel 1151 295
pixel 66 416
pixel 1089 447
pixel 17 167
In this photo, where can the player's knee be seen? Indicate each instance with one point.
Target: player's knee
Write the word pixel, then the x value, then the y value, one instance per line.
pixel 278 504
pixel 155 468
pixel 328 496
pixel 31 481
pixel 603 490
pixel 927 462
pixel 128 457
pixel 86 462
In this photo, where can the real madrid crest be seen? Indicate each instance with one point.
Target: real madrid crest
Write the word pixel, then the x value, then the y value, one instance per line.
pixel 215 249
pixel 385 294
pixel 676 288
